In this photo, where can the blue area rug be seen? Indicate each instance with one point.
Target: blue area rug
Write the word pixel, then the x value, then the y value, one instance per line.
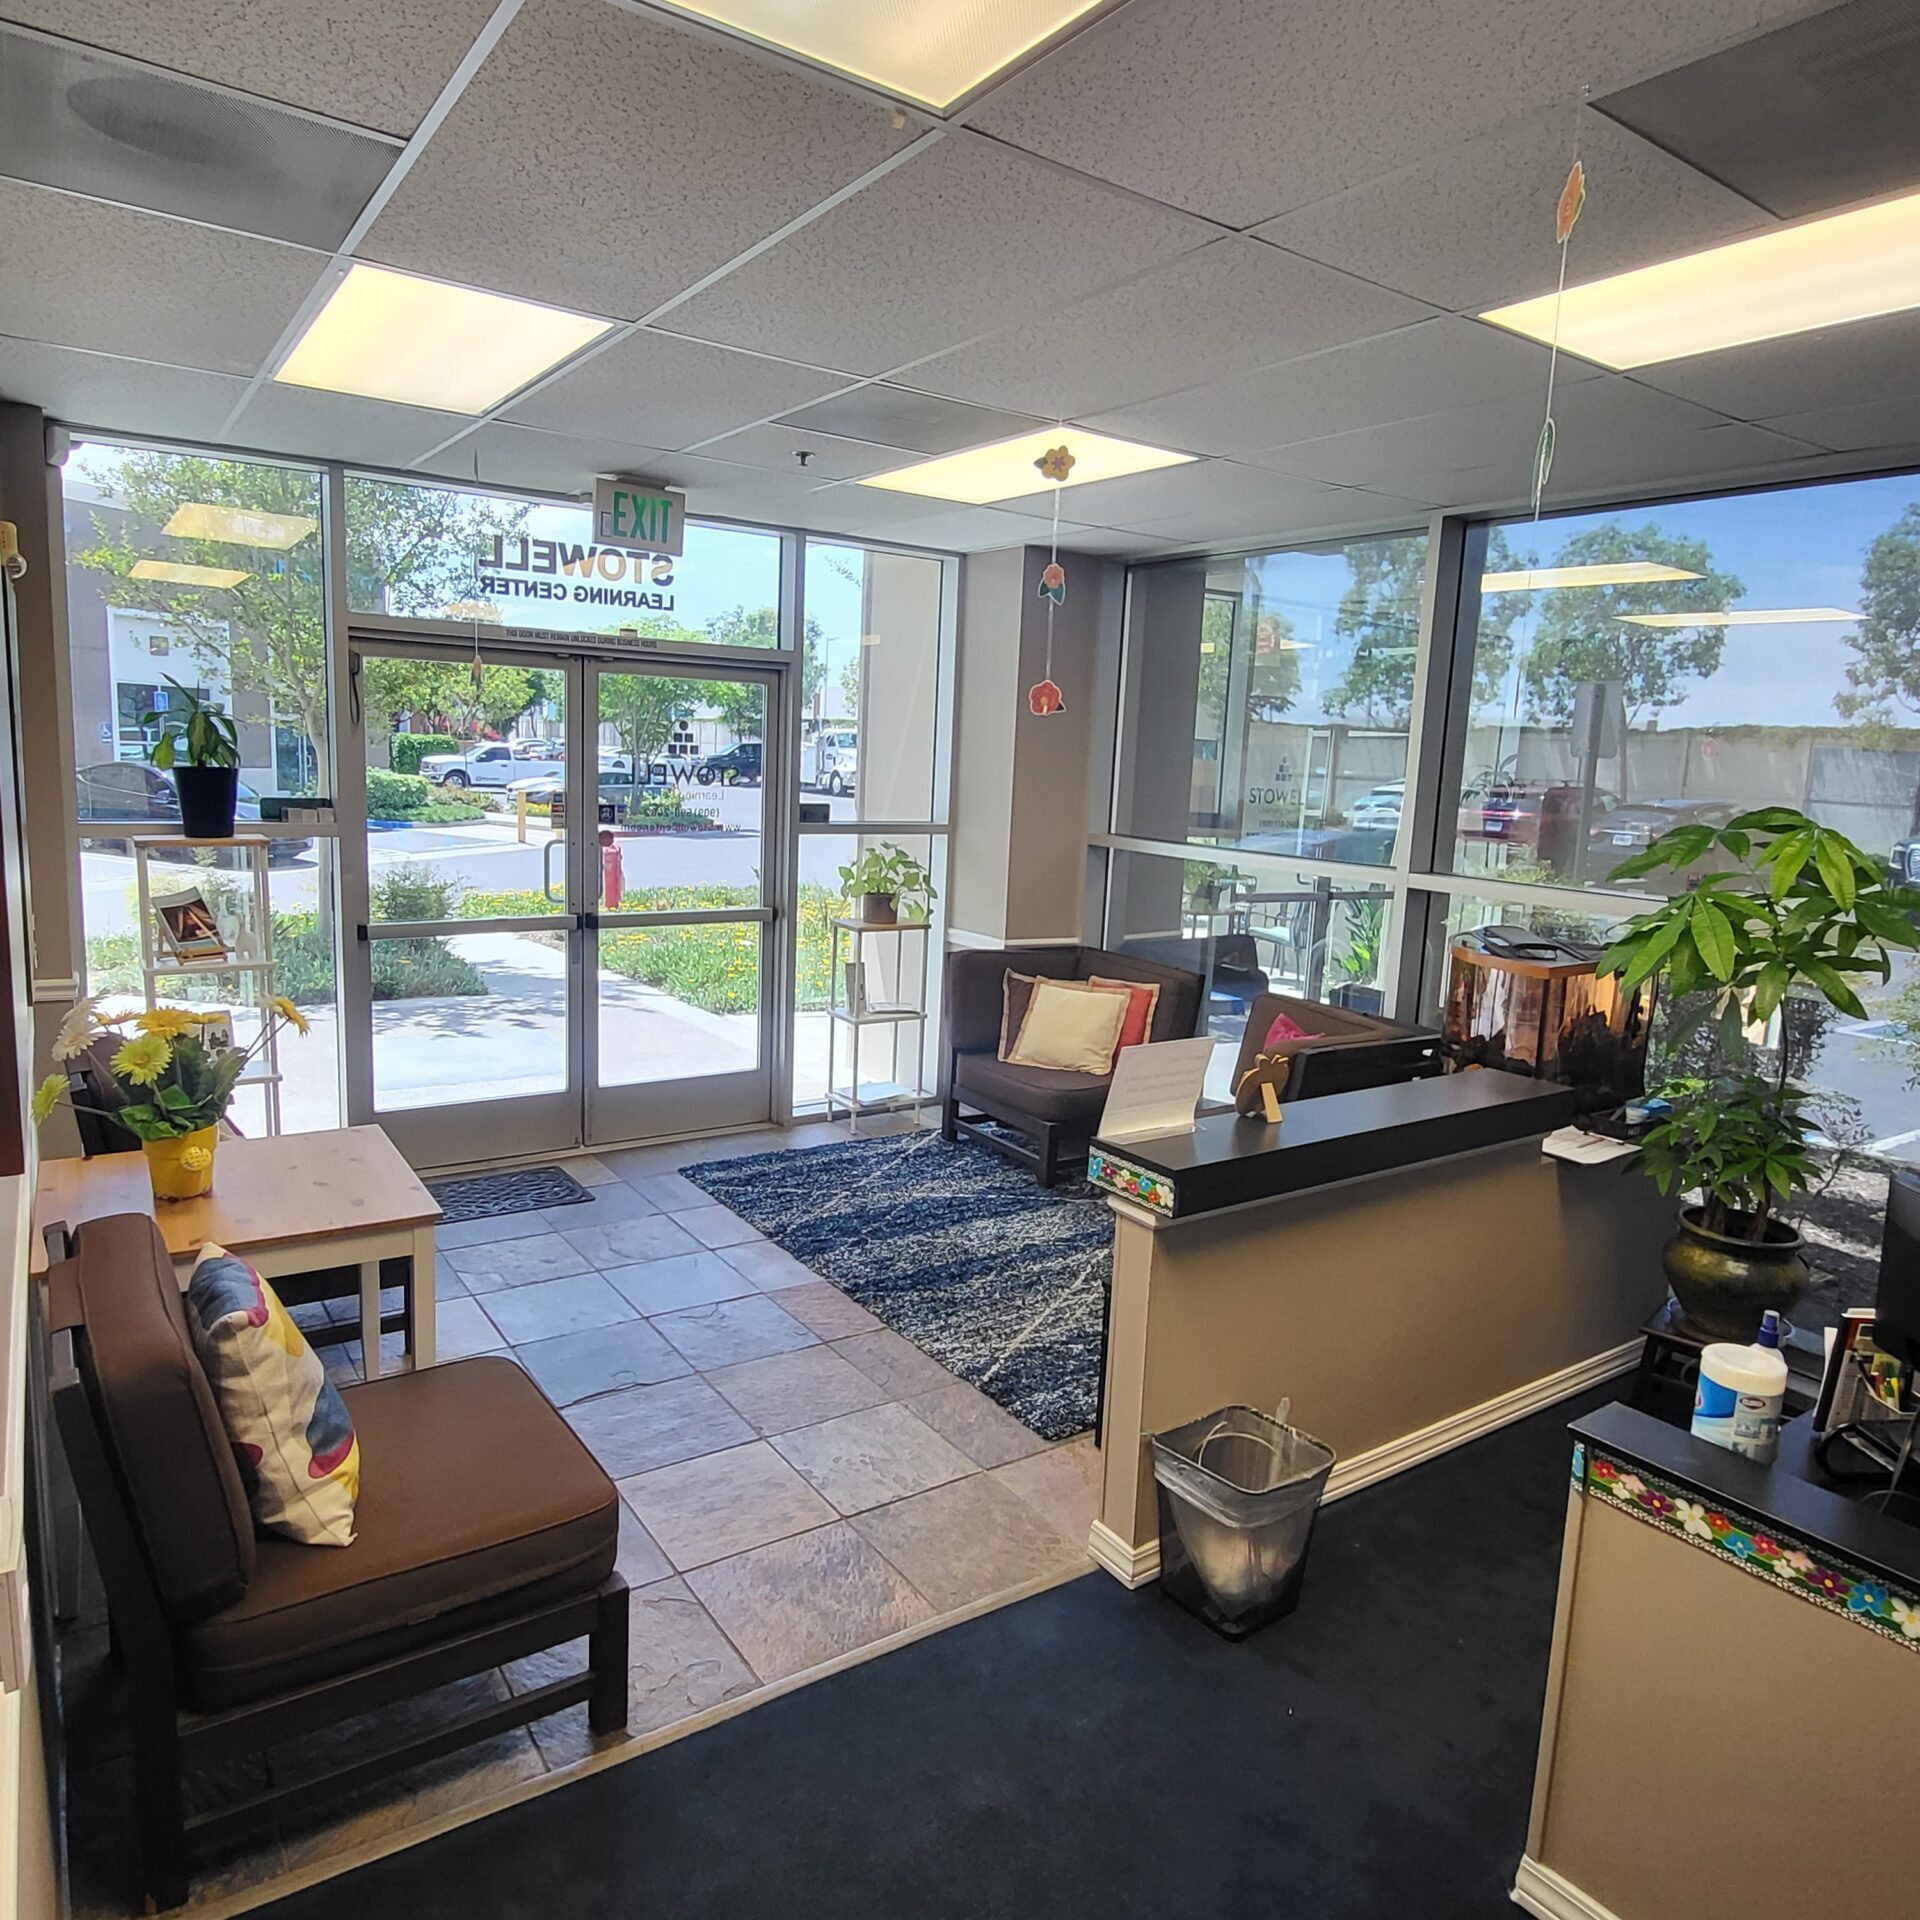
pixel 1000 1280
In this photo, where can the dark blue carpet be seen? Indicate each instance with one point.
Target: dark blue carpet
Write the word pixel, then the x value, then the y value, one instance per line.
pixel 1093 1754
pixel 957 1250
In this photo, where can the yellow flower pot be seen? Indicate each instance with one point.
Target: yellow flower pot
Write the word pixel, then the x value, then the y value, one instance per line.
pixel 181 1169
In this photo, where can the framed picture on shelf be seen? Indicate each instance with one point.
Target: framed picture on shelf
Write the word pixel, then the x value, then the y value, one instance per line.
pixel 188 928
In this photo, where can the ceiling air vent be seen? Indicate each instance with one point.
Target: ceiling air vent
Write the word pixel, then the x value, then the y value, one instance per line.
pixel 113 129
pixel 1814 116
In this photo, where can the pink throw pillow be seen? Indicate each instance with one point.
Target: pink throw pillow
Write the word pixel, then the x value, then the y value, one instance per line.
pixel 1282 1031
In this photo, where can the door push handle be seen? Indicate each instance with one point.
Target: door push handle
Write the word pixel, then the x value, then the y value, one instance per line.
pixel 587 922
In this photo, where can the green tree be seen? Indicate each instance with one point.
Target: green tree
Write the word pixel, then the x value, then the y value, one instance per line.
pixel 761 628
pixel 1380 615
pixel 444 690
pixel 1886 643
pixel 1227 622
pixel 1584 635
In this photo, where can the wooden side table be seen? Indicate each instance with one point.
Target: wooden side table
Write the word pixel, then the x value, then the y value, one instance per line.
pixel 288 1203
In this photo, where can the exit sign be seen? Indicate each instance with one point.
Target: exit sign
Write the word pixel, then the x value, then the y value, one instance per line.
pixel 638 515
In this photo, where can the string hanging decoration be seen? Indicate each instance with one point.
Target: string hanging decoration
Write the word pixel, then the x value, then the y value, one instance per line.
pixel 1044 697
pixel 1566 215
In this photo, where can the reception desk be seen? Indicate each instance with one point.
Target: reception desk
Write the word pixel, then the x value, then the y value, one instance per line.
pixel 1734 1678
pixel 1404 1264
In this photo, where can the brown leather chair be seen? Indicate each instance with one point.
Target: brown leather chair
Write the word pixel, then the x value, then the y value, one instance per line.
pixel 1042 1119
pixel 485 1532
pixel 1349 1050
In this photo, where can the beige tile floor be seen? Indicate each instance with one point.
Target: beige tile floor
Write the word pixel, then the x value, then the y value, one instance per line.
pixel 798 1484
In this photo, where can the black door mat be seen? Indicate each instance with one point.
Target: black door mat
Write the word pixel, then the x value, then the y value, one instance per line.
pixel 480 1196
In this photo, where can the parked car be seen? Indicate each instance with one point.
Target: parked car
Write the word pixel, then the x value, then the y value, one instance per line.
pixel 739 766
pixel 1514 810
pixel 1903 863
pixel 1638 823
pixel 830 761
pixel 493 763
pixel 1380 807
pixel 133 792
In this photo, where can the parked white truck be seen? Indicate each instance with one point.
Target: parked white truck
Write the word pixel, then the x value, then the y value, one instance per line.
pixel 830 760
pixel 491 764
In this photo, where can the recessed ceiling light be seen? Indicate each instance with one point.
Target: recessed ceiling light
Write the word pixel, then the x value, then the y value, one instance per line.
pixel 1005 469
pixel 178 573
pixel 1617 573
pixel 242 526
pixel 1744 617
pixel 1848 266
pixel 424 343
pixel 932 51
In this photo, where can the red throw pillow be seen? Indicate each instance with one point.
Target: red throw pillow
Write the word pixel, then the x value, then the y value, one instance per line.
pixel 1282 1031
pixel 1142 998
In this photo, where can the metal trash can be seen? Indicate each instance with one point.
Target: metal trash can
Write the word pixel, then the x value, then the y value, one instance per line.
pixel 1238 1494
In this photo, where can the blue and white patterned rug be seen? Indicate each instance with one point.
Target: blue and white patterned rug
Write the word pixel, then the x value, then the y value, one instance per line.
pixel 955 1249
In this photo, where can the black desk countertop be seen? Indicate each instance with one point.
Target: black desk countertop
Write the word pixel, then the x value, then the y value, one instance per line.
pixel 1791 1498
pixel 1227 1161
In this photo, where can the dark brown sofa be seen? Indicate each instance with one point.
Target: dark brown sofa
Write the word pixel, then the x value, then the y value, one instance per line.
pixel 1350 1050
pixel 1042 1119
pixel 485 1532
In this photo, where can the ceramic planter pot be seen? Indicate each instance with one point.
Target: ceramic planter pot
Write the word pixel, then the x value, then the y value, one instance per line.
pixel 1724 1284
pixel 182 1168
pixel 880 909
pixel 207 799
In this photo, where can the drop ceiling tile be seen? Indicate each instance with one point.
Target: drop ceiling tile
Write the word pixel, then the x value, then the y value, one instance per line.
pixel 968 529
pixel 366 61
pixel 1611 413
pixel 1418 370
pixel 1474 227
pixel 1219 310
pixel 79 273
pixel 1205 486
pixel 122 396
pixel 666 391
pixel 1879 424
pixel 963 238
pixel 606 161
pixel 892 416
pixel 777 449
pixel 340 426
pixel 1805 373
pixel 1322 516
pixel 1244 109
pixel 1115 543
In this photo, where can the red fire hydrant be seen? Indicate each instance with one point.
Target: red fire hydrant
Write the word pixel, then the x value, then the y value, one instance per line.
pixel 610 872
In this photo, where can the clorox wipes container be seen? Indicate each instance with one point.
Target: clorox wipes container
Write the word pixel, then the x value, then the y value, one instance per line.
pixel 1737 1403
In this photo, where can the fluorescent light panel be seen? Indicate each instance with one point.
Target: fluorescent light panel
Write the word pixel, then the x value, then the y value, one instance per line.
pixel 1004 469
pixel 932 51
pixel 180 574
pixel 242 526
pixel 1744 617
pixel 424 343
pixel 1849 266
pixel 1600 574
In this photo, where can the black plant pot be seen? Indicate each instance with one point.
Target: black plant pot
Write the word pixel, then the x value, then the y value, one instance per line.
pixel 207 798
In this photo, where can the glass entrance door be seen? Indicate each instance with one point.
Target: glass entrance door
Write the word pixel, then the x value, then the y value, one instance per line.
pixel 568 900
pixel 679 1027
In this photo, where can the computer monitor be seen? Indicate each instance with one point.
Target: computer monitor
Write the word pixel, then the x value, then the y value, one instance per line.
pixel 1896 1314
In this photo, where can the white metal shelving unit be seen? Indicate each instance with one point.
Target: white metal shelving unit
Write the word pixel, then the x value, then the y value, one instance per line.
pixel 249 960
pixel 853 1012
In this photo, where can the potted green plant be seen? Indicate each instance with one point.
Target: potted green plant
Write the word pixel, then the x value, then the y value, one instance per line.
pixel 198 746
pixel 175 1072
pixel 888 878
pixel 1792 908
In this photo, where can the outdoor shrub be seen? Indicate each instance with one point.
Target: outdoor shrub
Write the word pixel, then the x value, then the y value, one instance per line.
pixel 302 959
pixel 405 751
pixel 393 796
pixel 420 970
pixel 413 892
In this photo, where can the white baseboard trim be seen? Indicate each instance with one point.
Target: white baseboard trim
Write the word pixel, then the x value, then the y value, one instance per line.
pixel 1131 1566
pixel 1135 1566
pixel 1545 1895
pixel 1413 1449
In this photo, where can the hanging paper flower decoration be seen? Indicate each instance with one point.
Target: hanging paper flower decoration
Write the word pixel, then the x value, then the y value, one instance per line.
pixel 1573 196
pixel 1056 463
pixel 1053 583
pixel 1046 698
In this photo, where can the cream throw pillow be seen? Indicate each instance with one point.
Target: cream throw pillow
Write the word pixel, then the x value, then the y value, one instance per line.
pixel 1070 1028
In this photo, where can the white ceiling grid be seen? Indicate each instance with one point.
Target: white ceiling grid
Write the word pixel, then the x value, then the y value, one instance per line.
pixel 1249 231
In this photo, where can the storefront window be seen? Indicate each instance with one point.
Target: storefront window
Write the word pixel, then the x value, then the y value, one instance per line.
pixel 1641 669
pixel 1269 698
pixel 188 573
pixel 444 553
